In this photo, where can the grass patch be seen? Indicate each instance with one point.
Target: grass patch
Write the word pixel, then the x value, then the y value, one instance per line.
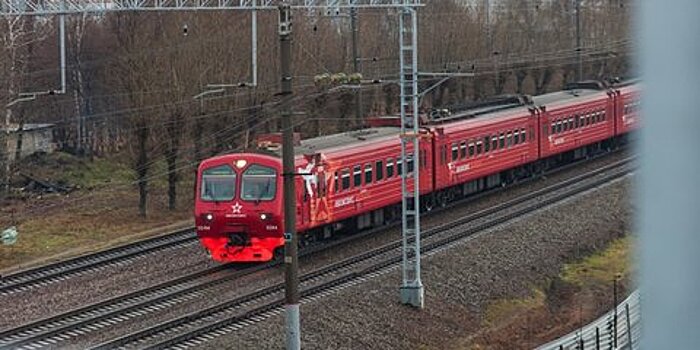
pixel 601 267
pixel 504 309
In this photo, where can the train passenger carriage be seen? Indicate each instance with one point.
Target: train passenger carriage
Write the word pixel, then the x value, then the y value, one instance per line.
pixel 627 105
pixel 485 142
pixel 581 115
pixel 351 181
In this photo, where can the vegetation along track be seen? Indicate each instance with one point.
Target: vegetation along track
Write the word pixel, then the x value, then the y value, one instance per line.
pixel 44 275
pixel 104 314
pixel 196 328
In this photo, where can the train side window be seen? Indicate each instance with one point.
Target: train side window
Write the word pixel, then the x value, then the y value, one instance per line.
pixel 455 151
pixel 509 139
pixel 478 147
pixel 357 176
pixel 487 144
pixel 409 163
pixel 471 149
pixel 602 115
pixel 523 136
pixel 389 168
pixel 368 174
pixel 559 128
pixel 345 178
pixel 554 128
pixel 502 141
pixel 463 150
pixel 576 121
pixel 399 168
pixel 571 123
pixel 516 137
pixel 336 187
pixel 494 142
pixel 566 125
pixel 379 168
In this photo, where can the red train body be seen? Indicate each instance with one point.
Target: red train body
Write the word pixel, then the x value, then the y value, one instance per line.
pixel 351 181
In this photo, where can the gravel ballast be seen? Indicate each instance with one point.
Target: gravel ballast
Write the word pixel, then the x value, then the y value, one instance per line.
pixel 505 262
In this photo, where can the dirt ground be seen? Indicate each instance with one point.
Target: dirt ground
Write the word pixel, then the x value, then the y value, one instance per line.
pixel 99 211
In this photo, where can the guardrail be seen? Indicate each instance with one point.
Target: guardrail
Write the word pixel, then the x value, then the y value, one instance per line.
pixel 619 329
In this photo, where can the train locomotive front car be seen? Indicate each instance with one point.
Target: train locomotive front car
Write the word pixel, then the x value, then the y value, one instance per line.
pixel 238 208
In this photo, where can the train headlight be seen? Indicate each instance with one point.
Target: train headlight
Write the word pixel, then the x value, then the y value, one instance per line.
pixel 241 163
pixel 209 217
pixel 265 216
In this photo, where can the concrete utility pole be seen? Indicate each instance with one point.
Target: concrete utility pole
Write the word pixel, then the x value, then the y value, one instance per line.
pixel 578 41
pixel 291 264
pixel 359 118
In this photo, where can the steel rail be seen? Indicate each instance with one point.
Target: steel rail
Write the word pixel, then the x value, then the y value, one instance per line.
pixel 58 271
pixel 109 312
pixel 580 184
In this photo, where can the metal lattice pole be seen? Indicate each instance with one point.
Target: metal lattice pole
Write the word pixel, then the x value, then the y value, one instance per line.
pixel 411 287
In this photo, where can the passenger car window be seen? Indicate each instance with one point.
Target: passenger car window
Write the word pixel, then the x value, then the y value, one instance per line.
pixel 345 178
pixel 379 167
pixel 368 173
pixel 357 176
pixel 389 168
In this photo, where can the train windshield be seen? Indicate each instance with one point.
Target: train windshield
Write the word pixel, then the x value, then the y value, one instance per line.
pixel 218 184
pixel 259 183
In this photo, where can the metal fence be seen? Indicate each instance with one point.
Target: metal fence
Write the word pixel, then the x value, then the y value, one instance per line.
pixel 619 329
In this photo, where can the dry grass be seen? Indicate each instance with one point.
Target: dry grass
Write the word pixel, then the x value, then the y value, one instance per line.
pixel 102 213
pixel 581 293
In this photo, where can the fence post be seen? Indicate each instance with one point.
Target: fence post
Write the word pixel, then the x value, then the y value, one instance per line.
pixel 629 327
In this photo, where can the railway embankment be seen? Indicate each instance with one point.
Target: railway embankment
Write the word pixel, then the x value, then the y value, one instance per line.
pixel 489 292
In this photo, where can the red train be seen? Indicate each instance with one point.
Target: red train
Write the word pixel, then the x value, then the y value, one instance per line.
pixel 352 180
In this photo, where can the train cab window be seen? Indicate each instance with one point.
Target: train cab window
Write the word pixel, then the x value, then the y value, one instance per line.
pixel 345 178
pixel 389 168
pixel 502 141
pixel 357 176
pixel 463 150
pixel 368 174
pixel 218 184
pixel 471 149
pixel 379 168
pixel 455 152
pixel 258 183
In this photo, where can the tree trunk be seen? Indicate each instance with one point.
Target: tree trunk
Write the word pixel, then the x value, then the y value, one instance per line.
pixel 20 136
pixel 142 166
pixel 171 159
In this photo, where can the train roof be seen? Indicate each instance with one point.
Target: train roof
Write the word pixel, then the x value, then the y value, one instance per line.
pixel 566 96
pixel 346 140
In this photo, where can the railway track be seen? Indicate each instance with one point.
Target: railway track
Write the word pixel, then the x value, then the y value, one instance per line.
pixel 47 274
pixel 201 326
pixel 108 313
